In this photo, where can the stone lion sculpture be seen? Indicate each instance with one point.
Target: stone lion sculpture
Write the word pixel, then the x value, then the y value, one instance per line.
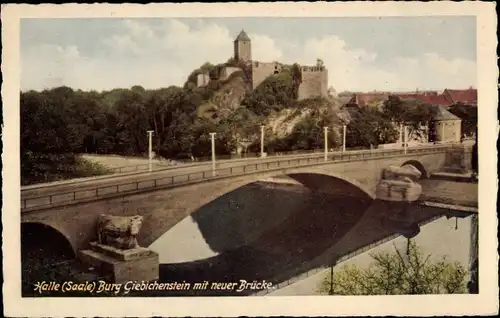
pixel 119 231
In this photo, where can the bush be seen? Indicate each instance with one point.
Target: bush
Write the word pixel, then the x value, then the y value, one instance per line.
pixel 40 168
pixel 398 274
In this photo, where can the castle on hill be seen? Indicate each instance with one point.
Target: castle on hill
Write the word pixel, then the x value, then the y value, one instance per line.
pixel 314 78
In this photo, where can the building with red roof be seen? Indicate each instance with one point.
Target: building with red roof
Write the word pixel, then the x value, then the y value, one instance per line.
pixel 445 99
pixel 464 96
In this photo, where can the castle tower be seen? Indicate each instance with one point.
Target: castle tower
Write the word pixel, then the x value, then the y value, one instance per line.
pixel 242 47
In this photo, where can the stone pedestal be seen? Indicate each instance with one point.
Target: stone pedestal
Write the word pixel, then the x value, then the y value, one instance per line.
pixel 399 184
pixel 398 191
pixel 138 264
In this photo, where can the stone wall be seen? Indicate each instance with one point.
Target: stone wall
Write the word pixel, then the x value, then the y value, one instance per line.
pixel 203 79
pixel 314 82
pixel 314 79
pixel 448 130
pixel 458 159
pixel 260 71
pixel 227 71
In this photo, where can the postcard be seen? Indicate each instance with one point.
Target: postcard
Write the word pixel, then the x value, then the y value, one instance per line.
pixel 235 159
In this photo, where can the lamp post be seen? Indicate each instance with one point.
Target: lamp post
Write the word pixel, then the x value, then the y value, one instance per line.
pixel 343 136
pixel 326 142
pixel 406 138
pixel 212 137
pixel 150 142
pixel 401 135
pixel 262 141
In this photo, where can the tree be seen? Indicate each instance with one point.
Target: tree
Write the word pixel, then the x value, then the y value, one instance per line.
pixel 296 73
pixel 468 115
pixel 369 127
pixel 411 113
pixel 399 273
pixel 276 92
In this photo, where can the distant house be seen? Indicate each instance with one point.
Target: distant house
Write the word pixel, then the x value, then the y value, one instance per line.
pixel 445 99
pixel 440 100
pixel 464 96
pixel 444 126
pixel 363 99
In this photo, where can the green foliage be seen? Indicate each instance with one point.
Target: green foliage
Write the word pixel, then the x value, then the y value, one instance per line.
pixel 468 115
pixel 235 63
pixel 369 127
pixel 413 114
pixel 309 134
pixel 276 92
pixel 398 273
pixel 46 167
pixel 192 80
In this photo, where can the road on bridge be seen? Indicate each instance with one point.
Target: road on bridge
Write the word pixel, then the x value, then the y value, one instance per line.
pixel 178 170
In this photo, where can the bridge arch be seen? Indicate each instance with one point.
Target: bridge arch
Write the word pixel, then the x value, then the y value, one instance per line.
pixel 314 178
pixel 42 235
pixel 311 177
pixel 419 166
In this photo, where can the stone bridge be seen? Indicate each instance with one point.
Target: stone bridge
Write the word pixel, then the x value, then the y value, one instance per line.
pixel 165 201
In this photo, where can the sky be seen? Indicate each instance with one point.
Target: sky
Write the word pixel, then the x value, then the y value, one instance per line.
pixel 361 53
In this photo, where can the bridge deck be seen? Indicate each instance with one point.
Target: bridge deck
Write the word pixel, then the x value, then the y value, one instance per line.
pixel 47 196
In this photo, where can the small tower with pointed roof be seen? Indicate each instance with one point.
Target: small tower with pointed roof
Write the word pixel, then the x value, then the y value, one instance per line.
pixel 445 126
pixel 242 47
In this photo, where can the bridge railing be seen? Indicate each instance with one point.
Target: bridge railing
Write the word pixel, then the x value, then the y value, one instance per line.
pixel 163 163
pixel 104 191
pixel 160 167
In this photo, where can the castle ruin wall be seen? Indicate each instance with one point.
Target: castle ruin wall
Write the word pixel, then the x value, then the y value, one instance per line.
pixel 314 82
pixel 203 79
pixel 228 70
pixel 260 71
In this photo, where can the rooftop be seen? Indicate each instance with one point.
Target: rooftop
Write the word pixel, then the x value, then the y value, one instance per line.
pixel 466 96
pixel 242 36
pixel 445 99
pixel 439 113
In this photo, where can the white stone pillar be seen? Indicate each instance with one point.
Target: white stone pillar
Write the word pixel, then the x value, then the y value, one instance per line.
pixel 212 135
pixel 326 142
pixel 406 139
pixel 343 136
pixel 262 141
pixel 401 135
pixel 150 149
